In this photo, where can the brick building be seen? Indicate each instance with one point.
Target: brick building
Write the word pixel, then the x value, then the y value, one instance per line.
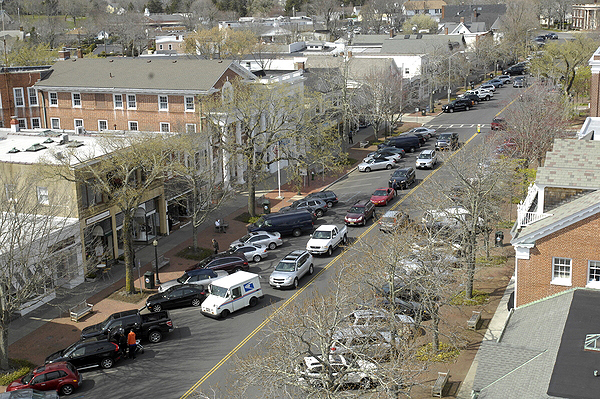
pixel 555 236
pixel 18 97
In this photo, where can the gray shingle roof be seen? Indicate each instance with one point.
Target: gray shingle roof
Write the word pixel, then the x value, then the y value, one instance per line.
pixel 156 75
pixel 571 163
pixel 427 44
pixel 520 365
pixel 359 68
pixel 487 13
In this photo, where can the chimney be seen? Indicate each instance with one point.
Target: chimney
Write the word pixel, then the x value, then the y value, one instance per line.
pixel 299 66
pixel 445 31
pixel 349 54
pixel 475 14
pixel 392 33
pixel 443 12
pixel 64 54
pixel 462 20
pixel 14 124
pixel 79 52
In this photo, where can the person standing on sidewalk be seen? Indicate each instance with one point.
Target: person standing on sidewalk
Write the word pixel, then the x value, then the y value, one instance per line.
pixel 350 139
pixel 131 343
pixel 215 245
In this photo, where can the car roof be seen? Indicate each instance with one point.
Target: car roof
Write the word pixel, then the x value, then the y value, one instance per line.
pixel 427 151
pixel 361 202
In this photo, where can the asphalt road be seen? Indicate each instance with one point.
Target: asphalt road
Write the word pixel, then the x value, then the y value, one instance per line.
pixel 199 353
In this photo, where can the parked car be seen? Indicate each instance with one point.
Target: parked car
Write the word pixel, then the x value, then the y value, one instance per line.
pixel 515 70
pixel 232 293
pixel 458 105
pixel 388 151
pixel 474 98
pixel 252 252
pixel 402 177
pixel 393 221
pixel 427 159
pixel 506 79
pixel 482 94
pixel 424 130
pixel 496 82
pixel 375 164
pixel 271 240
pixel 519 82
pixel 228 263
pixel 551 36
pixel 152 326
pixel 294 223
pixel 88 353
pixel 351 341
pixel 383 156
pixel 382 196
pixel 291 269
pixel 408 142
pixel 198 277
pixel 28 393
pixel 498 123
pixel 328 196
pixel 360 212
pixel 447 141
pixel 343 371
pixel 422 137
pixel 177 297
pixel 317 205
pixel 487 86
pixel 61 377
pixel 326 239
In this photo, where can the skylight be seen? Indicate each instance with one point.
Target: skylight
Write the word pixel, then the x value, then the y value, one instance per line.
pixel 592 342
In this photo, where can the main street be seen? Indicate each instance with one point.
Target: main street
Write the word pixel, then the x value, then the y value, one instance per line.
pixel 200 353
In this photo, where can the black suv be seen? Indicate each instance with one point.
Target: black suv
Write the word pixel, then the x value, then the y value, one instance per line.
pixel 447 141
pixel 229 263
pixel 402 177
pixel 517 69
pixel 360 212
pixel 458 105
pixel 328 196
pixel 314 205
pixel 87 353
pixel 474 98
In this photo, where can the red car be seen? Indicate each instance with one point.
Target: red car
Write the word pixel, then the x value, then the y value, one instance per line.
pixel 62 377
pixel 382 196
pixel 498 124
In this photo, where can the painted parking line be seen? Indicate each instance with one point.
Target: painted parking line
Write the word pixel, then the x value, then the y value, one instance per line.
pixel 301 289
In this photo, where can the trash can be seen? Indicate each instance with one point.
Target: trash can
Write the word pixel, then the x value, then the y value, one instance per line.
pixel 266 205
pixel 149 280
pixel 424 112
pixel 499 239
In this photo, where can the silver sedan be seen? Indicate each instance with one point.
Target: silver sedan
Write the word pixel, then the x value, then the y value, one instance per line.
pixel 375 164
pixel 252 252
pixel 270 240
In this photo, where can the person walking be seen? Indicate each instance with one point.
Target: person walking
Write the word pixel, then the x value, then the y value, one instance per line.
pixel 395 186
pixel 350 139
pixel 131 342
pixel 215 245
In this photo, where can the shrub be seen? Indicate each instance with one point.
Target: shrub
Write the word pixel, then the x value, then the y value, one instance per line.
pixel 492 261
pixel 189 253
pixel 445 353
pixel 20 367
pixel 478 298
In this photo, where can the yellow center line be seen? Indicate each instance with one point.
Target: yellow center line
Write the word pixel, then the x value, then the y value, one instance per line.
pixel 301 290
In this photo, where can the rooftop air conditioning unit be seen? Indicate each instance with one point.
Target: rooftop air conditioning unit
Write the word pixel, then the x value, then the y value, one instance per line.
pixel 79 130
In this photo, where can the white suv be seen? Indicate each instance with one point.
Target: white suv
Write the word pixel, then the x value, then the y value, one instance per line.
pixel 339 371
pixel 291 269
pixel 426 159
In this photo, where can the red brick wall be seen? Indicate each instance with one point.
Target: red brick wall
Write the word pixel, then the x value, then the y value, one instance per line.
pixel 10 80
pixel 575 242
pixel 595 95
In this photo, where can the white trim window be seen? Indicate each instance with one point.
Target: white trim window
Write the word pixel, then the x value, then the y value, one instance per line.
pixel 133 125
pixel 160 46
pixel 165 127
pixel 33 97
pixel 102 125
pixel 76 100
pixel 561 271
pixel 1 106
pixel 163 103
pixel 131 101
pixel 19 98
pixel 55 123
pixel 78 123
pixel 11 190
pixel 593 274
pixel 190 128
pixel 22 123
pixel 36 123
pixel 190 106
pixel 42 195
pixel 118 101
pixel 53 96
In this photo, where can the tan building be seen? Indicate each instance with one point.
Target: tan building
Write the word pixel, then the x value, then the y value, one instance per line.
pixel 586 16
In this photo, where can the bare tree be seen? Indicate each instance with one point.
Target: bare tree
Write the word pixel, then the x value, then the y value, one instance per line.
pixel 385 98
pixel 521 17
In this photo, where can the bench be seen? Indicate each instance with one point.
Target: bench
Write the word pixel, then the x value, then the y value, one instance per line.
pixel 473 322
pixel 80 310
pixel 440 383
pixel 222 228
pixel 162 261
pixel 363 144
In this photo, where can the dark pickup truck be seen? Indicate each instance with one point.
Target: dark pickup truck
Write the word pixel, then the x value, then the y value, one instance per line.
pixel 151 326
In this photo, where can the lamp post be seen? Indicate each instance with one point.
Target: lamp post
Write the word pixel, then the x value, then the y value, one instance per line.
pixel 449 69
pixel 155 244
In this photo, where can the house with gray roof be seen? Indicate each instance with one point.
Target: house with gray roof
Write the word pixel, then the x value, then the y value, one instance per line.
pixel 554 237
pixel 549 348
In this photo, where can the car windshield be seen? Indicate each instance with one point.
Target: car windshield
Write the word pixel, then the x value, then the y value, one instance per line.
pixel 424 156
pixel 245 238
pixel 379 193
pixel 262 222
pixel 217 291
pixel 27 377
pixel 356 209
pixel 400 173
pixel 322 234
pixel 445 136
pixel 183 278
pixel 285 267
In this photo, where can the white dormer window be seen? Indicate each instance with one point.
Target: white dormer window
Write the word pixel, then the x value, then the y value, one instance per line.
pixel 593 274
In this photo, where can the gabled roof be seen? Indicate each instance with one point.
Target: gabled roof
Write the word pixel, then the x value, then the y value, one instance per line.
pixel 360 68
pixel 487 13
pixel 520 364
pixel 161 75
pixel 571 164
pixel 413 46
pixel 424 5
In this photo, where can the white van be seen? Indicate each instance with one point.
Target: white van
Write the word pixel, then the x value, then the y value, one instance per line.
pixel 231 293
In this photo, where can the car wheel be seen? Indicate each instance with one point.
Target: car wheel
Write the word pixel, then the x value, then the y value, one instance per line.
pixel 311 269
pixel 107 363
pixel 297 232
pixel 253 301
pixel 345 240
pixel 237 269
pixel 225 313
pixel 319 213
pixel 367 169
pixel 385 203
pixel 67 389
pixel 451 110
pixel 365 383
pixel 156 308
pixel 329 204
pixel 295 285
pixel 467 108
pixel 329 251
pixel 487 98
pixel 155 336
pixel 196 302
pixel 388 166
pixel 272 245
pixel 256 258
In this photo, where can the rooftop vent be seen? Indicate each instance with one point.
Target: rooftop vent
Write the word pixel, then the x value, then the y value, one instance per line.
pixel 64 139
pixel 407 36
pixel 75 144
pixel 36 147
pixel 14 150
pixel 419 36
pixel 48 141
pixel 592 342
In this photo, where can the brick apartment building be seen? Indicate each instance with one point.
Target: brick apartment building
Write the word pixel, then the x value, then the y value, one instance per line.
pixel 18 97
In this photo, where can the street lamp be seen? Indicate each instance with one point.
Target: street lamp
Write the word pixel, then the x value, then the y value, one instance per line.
pixel 155 244
pixel 449 69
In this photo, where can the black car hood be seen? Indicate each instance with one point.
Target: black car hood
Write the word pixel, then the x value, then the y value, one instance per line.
pixel 155 298
pixel 56 356
pixel 91 330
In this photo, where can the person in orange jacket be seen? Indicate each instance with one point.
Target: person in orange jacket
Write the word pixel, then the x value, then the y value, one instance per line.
pixel 132 344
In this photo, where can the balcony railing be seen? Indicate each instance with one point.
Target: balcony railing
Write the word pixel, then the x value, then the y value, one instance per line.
pixel 526 218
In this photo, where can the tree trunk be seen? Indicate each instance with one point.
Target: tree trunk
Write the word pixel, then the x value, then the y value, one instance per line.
pixel 470 258
pixel 3 329
pixel 435 318
pixel 129 253
pixel 251 194
pixel 195 217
